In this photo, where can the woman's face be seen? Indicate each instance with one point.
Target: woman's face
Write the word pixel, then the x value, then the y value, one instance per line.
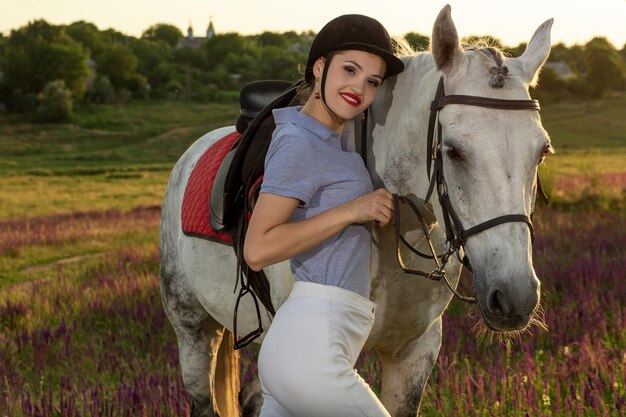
pixel 352 81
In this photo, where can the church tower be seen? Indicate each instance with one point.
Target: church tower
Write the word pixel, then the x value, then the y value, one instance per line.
pixel 210 32
pixel 190 31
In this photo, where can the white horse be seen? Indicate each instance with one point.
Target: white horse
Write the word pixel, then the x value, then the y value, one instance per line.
pixel 490 159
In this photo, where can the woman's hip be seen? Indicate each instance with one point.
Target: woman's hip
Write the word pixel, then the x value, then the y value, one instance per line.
pixel 318 325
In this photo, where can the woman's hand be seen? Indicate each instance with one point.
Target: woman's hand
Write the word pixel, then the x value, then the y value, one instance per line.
pixel 377 205
pixel 271 238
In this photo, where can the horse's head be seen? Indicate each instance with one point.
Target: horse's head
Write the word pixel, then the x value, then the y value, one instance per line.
pixel 490 159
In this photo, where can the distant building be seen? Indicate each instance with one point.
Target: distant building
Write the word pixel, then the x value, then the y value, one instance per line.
pixel 195 41
pixel 561 68
pixel 92 73
pixel 210 31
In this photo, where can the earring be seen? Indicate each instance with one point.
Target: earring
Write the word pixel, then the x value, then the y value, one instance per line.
pixel 317 95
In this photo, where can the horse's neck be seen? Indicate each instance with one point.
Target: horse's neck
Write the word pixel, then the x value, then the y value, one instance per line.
pixel 398 126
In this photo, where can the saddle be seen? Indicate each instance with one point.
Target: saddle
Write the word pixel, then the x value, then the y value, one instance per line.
pixel 237 183
pixel 195 215
pixel 243 165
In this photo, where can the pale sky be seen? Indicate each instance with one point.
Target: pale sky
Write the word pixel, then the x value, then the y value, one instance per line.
pixel 512 22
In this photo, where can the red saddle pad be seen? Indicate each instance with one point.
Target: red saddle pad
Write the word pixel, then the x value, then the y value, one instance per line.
pixel 195 213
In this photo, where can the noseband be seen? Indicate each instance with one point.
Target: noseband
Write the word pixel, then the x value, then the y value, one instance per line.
pixel 456 234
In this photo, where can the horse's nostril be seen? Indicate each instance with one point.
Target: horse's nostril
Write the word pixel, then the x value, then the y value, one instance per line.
pixel 494 303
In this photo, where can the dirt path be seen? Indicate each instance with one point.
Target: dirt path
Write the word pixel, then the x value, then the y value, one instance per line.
pixel 62 262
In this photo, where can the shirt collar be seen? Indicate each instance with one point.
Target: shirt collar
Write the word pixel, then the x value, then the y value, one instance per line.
pixel 294 116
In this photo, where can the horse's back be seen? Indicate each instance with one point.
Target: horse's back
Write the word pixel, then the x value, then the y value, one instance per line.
pixel 199 272
pixel 177 275
pixel 171 228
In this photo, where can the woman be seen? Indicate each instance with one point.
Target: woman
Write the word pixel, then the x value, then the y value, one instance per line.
pixel 315 200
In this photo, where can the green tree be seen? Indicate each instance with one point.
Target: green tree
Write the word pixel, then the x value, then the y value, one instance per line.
pixel 163 32
pixel 232 59
pixel 281 64
pixel 417 41
pixel 163 73
pixel 112 36
pixel 550 86
pixel 101 91
pixel 89 36
pixel 577 59
pixel 3 42
pixel 118 62
pixel 39 53
pixel 173 89
pixel 188 63
pixel 578 87
pixel 560 53
pixel 273 39
pixel 573 57
pixel 219 46
pixel 149 56
pixel 189 57
pixel 21 102
pixel 604 66
pixel 137 85
pixel 55 102
pixel 220 76
pixel 292 37
pixel 4 88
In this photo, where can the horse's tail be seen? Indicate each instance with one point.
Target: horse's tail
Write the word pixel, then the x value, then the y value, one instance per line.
pixel 227 377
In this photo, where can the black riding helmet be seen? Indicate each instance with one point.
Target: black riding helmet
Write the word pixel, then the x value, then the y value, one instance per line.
pixel 353 31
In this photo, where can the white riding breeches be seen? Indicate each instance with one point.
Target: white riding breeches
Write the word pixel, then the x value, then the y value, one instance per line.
pixel 306 362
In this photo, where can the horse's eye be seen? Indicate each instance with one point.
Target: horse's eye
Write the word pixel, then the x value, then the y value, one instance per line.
pixel 546 150
pixel 453 154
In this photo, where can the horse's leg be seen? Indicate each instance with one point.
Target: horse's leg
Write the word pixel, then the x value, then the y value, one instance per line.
pixel 211 379
pixel 251 398
pixel 404 378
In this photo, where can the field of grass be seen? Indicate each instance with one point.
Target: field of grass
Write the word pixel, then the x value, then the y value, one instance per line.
pixel 590 159
pixel 83 333
pixel 112 156
pixel 120 156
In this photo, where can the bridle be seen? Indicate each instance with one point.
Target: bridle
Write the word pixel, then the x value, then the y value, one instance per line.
pixel 456 234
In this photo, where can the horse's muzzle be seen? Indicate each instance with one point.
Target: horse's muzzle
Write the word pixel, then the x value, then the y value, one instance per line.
pixel 507 307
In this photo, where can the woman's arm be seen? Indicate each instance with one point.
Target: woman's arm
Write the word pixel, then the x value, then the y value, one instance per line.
pixel 271 238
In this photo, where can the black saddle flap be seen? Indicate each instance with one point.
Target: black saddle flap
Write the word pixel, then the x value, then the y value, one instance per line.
pixel 237 175
pixel 244 164
pixel 219 194
pixel 254 96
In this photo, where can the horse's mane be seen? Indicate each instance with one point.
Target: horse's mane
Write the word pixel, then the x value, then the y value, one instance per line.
pixel 403 47
pixel 408 54
pixel 493 57
pixel 494 61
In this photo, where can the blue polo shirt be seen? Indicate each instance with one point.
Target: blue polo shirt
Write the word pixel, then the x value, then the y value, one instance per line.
pixel 306 161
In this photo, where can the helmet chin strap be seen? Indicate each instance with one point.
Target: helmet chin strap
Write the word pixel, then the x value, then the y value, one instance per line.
pixel 323 82
pixel 323 89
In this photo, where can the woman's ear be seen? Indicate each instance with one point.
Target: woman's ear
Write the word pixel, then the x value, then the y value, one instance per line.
pixel 318 67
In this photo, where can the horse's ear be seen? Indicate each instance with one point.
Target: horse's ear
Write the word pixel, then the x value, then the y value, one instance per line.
pixel 445 44
pixel 536 53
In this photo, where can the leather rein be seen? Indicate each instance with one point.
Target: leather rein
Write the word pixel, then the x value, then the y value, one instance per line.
pixel 456 234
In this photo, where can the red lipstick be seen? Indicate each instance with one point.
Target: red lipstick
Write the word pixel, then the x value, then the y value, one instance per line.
pixel 351 99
